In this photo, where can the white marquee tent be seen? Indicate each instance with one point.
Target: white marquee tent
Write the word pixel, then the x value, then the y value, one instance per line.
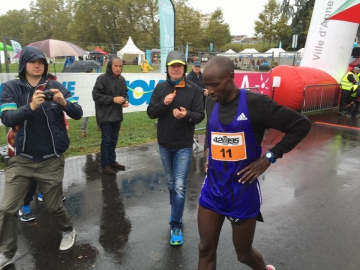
pixel 129 52
pixel 249 51
pixel 229 53
pixel 276 51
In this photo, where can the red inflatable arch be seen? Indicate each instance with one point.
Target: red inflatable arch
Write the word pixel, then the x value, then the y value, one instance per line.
pixel 293 81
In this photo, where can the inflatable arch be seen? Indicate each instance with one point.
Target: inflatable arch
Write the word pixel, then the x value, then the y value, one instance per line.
pixel 325 59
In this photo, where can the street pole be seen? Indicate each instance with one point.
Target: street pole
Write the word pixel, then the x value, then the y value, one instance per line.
pixel 5 53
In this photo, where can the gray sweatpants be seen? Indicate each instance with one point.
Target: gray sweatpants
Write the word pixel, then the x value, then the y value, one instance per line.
pixel 18 176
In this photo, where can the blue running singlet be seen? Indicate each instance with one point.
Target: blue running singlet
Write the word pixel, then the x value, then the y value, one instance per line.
pixel 232 147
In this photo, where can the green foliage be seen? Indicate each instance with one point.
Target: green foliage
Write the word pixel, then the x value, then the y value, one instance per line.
pixel 271 25
pixel 300 24
pixel 187 23
pixel 218 32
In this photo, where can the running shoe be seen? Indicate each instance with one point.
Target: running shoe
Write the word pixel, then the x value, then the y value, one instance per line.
pixel 68 239
pixel 26 214
pixel 4 260
pixel 176 237
pixel 270 267
pixel 40 197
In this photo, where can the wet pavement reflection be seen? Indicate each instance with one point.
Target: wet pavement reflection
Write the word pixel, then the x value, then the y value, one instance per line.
pixel 310 206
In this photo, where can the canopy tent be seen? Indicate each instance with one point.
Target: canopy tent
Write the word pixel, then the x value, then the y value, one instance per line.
pixel 8 47
pixel 249 51
pixel 130 52
pixel 230 53
pixel 276 51
pixel 98 49
pixel 10 51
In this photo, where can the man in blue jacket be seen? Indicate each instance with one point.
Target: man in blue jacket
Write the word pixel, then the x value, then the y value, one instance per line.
pixel 40 141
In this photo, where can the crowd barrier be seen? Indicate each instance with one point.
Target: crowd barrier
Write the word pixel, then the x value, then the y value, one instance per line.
pixel 319 97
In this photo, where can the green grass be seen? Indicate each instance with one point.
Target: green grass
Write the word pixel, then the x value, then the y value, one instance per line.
pixel 136 129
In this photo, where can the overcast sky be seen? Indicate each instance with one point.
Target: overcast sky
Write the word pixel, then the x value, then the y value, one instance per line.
pixel 239 14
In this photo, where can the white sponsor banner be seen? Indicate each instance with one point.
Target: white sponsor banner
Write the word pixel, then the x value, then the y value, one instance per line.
pixel 140 88
pixel 329 42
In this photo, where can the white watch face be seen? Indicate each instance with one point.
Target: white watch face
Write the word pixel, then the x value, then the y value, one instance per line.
pixel 268 155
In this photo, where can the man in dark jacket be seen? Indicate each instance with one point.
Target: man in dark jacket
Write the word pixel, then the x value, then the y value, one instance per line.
pixel 40 141
pixel 110 96
pixel 178 105
pixel 195 76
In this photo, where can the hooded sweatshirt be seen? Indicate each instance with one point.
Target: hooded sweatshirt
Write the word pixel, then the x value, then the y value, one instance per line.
pixel 108 86
pixel 42 133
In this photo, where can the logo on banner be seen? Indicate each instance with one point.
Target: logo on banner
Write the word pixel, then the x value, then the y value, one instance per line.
pixel 262 81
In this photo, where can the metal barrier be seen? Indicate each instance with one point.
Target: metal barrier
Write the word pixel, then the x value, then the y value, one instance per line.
pixel 319 97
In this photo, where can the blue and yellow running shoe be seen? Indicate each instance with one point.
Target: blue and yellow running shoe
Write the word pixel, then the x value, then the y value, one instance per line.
pixel 176 237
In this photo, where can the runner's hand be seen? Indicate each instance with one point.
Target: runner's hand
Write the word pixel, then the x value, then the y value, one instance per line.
pixel 254 170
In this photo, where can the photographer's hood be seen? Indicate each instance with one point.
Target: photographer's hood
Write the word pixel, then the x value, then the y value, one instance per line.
pixel 28 54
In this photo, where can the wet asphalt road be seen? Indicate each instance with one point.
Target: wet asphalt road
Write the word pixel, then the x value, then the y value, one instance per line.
pixel 310 206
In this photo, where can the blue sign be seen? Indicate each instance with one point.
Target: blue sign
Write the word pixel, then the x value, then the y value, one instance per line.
pixel 167 30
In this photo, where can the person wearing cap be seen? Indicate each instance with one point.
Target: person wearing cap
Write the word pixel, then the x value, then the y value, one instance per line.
pixel 39 146
pixel 178 106
pixel 348 81
pixel 195 76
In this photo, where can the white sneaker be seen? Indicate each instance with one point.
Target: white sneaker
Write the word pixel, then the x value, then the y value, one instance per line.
pixel 4 261
pixel 68 240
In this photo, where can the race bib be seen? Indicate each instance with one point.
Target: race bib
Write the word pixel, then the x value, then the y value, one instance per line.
pixel 228 146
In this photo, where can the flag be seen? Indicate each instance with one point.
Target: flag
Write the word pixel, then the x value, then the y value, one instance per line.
pixel 17 49
pixel 167 30
pixel 16 46
pixel 187 51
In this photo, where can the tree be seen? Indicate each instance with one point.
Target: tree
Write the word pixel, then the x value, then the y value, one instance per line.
pixel 12 25
pixel 300 23
pixel 187 25
pixel 49 19
pixel 272 24
pixel 218 32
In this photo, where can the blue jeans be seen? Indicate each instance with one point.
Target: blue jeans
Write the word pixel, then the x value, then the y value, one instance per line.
pixel 109 138
pixel 176 162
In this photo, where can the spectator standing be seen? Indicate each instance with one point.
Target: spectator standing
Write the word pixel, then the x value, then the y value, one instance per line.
pixel 195 76
pixel 68 61
pixel 41 140
pixel 348 81
pixel 145 66
pixel 100 59
pixel 110 96
pixel 236 123
pixel 177 104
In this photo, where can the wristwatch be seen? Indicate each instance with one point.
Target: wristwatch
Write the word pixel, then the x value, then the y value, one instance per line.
pixel 270 156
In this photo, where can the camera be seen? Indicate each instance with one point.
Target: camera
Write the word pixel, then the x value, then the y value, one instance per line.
pixel 48 95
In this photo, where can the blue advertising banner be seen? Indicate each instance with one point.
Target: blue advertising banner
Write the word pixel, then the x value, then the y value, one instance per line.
pixel 148 57
pixel 167 30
